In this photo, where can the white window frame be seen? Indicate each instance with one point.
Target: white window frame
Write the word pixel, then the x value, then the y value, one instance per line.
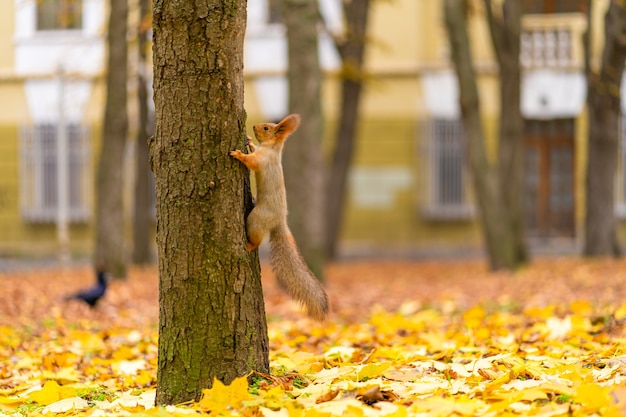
pixel 552 41
pixel 550 47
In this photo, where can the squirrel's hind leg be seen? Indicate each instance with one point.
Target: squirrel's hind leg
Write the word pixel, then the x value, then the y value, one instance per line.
pixel 254 230
pixel 254 241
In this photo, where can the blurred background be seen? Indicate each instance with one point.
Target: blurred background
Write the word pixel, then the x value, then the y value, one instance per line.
pixel 388 87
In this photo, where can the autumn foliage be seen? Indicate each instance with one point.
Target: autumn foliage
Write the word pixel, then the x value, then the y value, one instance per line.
pixel 424 339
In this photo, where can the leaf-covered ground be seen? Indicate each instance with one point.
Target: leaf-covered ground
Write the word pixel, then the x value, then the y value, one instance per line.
pixel 423 339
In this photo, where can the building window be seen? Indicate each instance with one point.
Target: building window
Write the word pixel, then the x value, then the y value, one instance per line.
pixel 38 176
pixel 446 176
pixel 59 14
pixel 546 48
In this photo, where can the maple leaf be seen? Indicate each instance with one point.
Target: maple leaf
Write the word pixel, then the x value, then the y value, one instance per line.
pixel 593 397
pixel 330 395
pixel 220 397
pixel 372 370
pixel 66 405
pixel 371 395
pixel 51 392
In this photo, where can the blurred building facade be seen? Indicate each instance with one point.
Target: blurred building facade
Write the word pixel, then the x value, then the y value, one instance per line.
pixel 409 188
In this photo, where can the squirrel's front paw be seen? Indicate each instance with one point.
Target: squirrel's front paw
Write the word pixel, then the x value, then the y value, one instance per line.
pixel 236 153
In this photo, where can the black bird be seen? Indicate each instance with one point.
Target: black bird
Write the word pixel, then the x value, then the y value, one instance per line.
pixel 92 294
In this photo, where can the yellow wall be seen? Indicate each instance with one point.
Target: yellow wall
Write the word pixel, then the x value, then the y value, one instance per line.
pixel 8 182
pixel 12 104
pixel 384 52
pixel 13 107
pixel 7 28
pixel 16 236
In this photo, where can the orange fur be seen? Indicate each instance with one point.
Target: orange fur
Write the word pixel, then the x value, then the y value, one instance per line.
pixel 249 160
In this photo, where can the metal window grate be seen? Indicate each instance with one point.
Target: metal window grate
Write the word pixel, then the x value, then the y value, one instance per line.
pixel 38 173
pixel 446 187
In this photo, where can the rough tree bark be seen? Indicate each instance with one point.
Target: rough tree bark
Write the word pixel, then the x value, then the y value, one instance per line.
pixel 505 29
pixel 351 50
pixel 143 224
pixel 302 161
pixel 211 312
pixel 110 248
pixel 495 222
pixel 603 99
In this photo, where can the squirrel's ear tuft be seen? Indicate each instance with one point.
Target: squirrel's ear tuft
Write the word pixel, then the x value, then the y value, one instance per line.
pixel 289 124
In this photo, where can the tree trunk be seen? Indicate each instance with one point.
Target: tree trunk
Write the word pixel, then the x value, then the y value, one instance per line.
pixel 110 248
pixel 505 29
pixel 501 248
pixel 211 316
pixel 303 162
pixel 351 51
pixel 143 224
pixel 604 114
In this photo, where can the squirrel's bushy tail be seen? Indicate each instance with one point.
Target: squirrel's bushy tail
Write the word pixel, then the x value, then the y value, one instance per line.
pixel 294 276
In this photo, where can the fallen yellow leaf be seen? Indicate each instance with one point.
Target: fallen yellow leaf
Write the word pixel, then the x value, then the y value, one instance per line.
pixel 593 397
pixel 222 397
pixel 372 370
pixel 51 392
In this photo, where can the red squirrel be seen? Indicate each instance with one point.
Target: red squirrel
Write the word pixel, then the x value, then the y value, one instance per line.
pixel 270 216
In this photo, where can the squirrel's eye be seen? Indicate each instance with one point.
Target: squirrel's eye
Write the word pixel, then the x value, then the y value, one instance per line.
pixel 266 128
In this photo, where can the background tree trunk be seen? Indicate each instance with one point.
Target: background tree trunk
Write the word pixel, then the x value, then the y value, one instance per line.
pixel 351 49
pixel 603 99
pixel 212 316
pixel 303 162
pixel 110 248
pixel 505 28
pixel 495 223
pixel 143 224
